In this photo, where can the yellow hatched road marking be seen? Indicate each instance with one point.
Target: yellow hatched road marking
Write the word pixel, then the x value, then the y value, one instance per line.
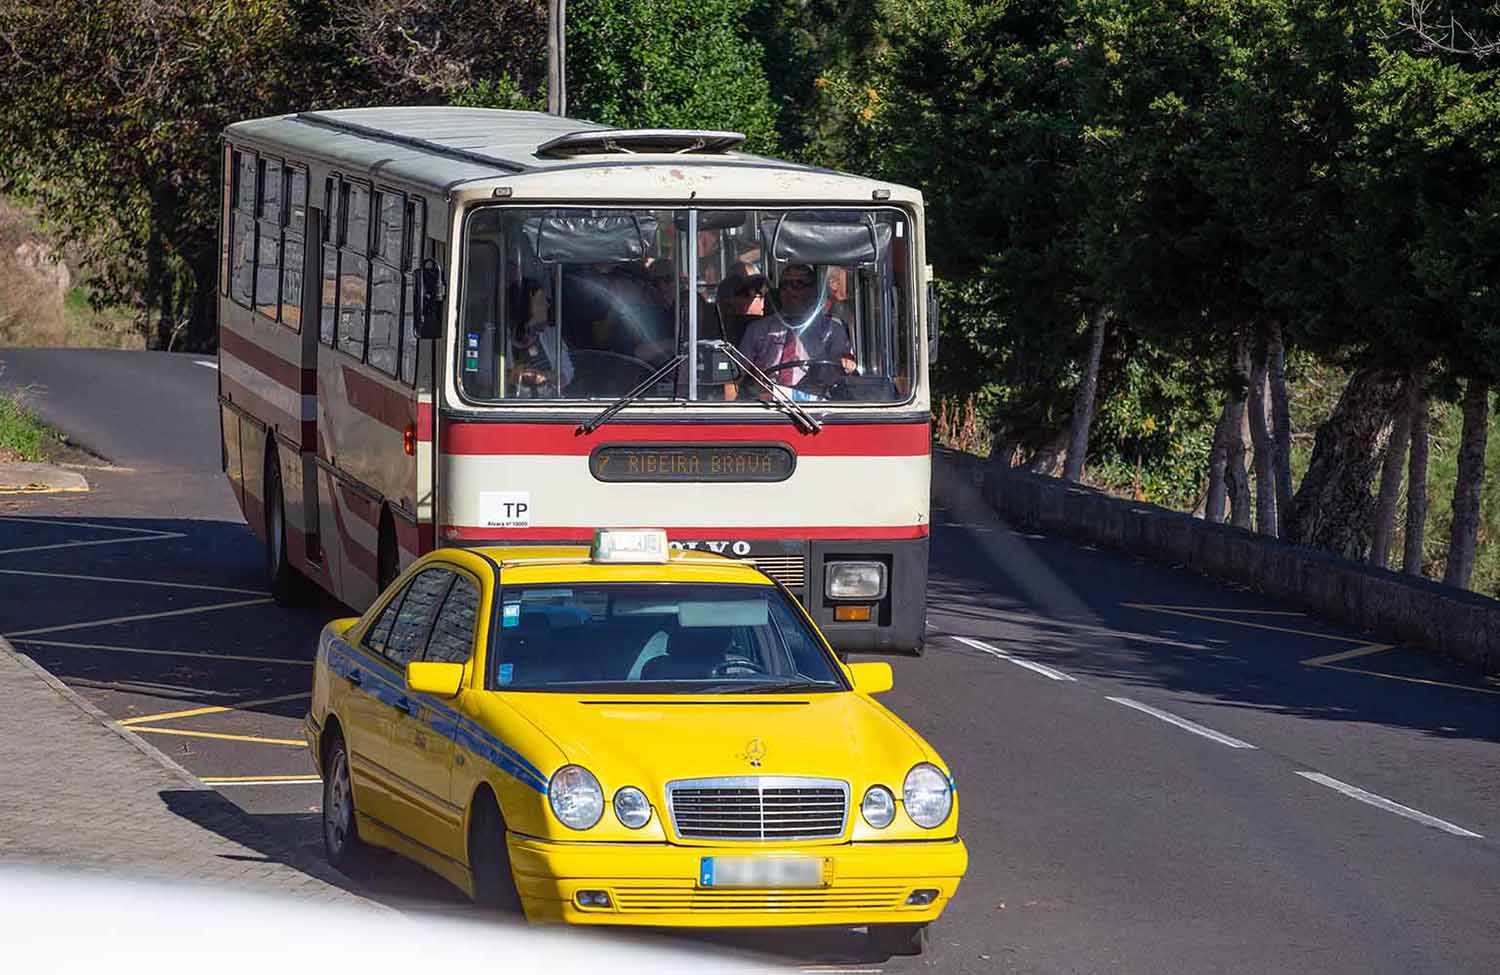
pixel 1411 680
pixel 1216 609
pixel 1348 654
pixel 289 742
pixel 165 653
pixel 214 709
pixel 139 617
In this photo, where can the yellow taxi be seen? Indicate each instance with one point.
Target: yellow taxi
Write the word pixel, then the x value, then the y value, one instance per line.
pixel 626 734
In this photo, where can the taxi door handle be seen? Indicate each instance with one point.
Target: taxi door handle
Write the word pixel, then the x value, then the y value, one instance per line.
pixel 355 678
pixel 405 704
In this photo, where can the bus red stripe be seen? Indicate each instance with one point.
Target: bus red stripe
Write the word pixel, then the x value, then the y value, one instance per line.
pixel 263 360
pixel 550 533
pixel 835 440
pixel 393 407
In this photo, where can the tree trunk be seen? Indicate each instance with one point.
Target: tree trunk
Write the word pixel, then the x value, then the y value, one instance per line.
pixel 1465 533
pixel 1218 461
pixel 1416 474
pixel 1083 401
pixel 1334 509
pixel 1390 489
pixel 1281 425
pixel 1235 472
pixel 1048 457
pixel 1260 436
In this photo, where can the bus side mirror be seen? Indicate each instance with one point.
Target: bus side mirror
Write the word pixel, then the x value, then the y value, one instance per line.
pixel 932 323
pixel 430 311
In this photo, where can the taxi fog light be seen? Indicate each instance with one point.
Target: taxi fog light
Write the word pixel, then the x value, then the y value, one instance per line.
pixel 854 580
pixel 575 797
pixel 878 807
pixel 927 795
pixel 632 808
pixel 920 898
pixel 595 898
pixel 851 614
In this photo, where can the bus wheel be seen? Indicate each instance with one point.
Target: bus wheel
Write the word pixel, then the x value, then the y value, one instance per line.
pixel 288 586
pixel 387 565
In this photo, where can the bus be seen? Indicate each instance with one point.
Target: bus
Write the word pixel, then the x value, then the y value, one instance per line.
pixel 459 326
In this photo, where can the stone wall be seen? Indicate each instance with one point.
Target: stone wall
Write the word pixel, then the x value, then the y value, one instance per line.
pixel 1391 606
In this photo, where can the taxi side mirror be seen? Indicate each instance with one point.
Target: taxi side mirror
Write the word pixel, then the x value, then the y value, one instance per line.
pixel 872 678
pixel 437 679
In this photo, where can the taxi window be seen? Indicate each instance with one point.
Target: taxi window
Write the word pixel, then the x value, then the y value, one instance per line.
pixel 378 634
pixel 452 639
pixel 654 638
pixel 414 619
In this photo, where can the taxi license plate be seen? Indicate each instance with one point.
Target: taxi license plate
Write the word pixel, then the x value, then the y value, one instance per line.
pixel 767 872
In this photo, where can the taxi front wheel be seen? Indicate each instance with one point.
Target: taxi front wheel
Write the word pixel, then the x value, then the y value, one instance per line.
pixel 898 939
pixel 489 859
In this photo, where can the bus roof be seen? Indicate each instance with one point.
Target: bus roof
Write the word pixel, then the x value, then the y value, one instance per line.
pixel 442 147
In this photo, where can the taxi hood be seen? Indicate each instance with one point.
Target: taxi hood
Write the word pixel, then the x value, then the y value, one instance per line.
pixel 649 740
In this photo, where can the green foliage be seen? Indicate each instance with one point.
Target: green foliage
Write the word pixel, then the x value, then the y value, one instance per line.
pixel 668 63
pixel 501 92
pixel 21 435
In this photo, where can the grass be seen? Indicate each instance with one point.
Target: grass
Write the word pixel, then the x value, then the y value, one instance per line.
pixel 21 435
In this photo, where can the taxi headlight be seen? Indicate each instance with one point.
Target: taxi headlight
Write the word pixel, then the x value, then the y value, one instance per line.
pixel 878 807
pixel 576 798
pixel 854 580
pixel 632 808
pixel 927 795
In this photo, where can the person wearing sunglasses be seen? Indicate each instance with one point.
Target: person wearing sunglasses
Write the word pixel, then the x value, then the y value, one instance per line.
pixel 801 340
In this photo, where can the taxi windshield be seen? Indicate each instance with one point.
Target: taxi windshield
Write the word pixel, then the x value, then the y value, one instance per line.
pixel 656 637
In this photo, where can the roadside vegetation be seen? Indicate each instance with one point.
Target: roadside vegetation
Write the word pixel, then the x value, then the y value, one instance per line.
pixel 1233 256
pixel 21 434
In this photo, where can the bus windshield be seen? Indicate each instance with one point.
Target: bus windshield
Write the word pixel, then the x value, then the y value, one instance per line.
pixel 656 637
pixel 585 304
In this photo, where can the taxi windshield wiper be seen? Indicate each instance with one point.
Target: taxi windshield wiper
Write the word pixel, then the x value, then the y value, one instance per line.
pixel 804 419
pixel 604 415
pixel 776 687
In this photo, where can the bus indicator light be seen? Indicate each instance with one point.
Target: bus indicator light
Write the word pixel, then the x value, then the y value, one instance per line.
pixel 409 440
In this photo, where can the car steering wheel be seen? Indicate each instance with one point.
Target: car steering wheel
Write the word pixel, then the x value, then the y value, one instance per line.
pixel 736 665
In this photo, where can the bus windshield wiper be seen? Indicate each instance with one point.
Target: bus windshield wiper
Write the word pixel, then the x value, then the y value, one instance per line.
pixel 609 411
pixel 804 419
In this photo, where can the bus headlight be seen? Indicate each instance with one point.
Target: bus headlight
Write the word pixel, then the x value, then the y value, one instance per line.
pixel 575 796
pixel 927 796
pixel 854 580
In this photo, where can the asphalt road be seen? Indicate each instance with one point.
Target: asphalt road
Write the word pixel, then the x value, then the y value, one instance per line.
pixel 1157 773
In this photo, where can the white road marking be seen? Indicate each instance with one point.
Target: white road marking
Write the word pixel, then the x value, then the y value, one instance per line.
pixel 210 363
pixel 139 617
pixel 219 783
pixel 86 524
pixel 1042 669
pixel 134 582
pixel 165 653
pixel 1183 723
pixel 1379 802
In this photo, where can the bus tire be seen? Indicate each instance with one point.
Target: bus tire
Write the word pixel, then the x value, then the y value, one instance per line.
pixel 387 559
pixel 289 587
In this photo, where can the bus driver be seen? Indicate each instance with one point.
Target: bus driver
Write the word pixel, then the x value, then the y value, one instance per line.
pixel 801 332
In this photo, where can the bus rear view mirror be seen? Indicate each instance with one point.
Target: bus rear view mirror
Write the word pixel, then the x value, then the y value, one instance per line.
pixel 430 311
pixel 932 323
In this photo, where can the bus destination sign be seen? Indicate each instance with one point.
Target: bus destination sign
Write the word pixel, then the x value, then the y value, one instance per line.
pixel 692 462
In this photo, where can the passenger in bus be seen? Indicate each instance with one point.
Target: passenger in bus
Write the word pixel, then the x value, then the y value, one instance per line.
pixel 540 366
pixel 740 300
pixel 802 331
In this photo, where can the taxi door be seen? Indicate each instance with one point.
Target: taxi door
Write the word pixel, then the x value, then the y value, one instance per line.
pixel 422 737
pixel 359 676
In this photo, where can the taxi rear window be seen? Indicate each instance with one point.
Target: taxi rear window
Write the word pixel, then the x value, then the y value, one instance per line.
pixel 655 637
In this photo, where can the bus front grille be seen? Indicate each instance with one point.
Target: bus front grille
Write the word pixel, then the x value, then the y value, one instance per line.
pixel 789 570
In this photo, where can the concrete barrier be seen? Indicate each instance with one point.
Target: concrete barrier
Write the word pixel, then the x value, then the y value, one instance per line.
pixel 1389 605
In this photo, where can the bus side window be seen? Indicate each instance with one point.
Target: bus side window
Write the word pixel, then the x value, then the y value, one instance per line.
pixel 242 230
pixel 293 247
pixel 354 270
pixel 268 246
pixel 416 234
pixel 385 282
pixel 332 230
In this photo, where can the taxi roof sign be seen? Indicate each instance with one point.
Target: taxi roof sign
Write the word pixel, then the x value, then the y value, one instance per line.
pixel 630 545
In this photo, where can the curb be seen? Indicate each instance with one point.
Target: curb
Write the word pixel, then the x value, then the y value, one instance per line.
pixel 73 697
pixel 26 478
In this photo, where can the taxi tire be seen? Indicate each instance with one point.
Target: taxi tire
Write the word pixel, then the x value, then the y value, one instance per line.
pixel 289 587
pixel 898 939
pixel 353 848
pixel 489 858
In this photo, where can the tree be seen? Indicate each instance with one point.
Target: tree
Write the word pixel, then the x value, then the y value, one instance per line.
pixel 668 63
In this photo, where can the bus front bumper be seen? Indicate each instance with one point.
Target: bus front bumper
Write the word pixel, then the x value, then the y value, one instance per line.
pixel 657 885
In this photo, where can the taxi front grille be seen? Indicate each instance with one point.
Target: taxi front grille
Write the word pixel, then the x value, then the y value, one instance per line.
pixel 662 900
pixel 758 808
pixel 789 570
